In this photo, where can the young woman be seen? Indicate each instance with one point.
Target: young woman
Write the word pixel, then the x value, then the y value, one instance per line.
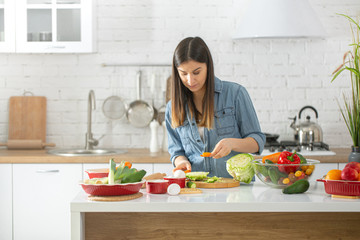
pixel 206 114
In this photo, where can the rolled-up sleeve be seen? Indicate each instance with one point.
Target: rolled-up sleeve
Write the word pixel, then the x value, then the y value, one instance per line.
pixel 175 147
pixel 248 122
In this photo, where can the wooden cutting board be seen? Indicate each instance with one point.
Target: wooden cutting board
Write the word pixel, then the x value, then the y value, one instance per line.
pixel 27 118
pixel 221 183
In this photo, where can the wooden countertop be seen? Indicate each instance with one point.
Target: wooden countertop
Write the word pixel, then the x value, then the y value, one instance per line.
pixel 132 155
pixel 41 156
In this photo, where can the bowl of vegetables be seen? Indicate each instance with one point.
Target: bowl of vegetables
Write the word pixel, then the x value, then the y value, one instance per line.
pixel 282 169
pixel 121 180
pixel 112 189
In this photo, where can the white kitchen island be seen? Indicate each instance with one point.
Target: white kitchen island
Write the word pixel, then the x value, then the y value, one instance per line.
pixel 252 211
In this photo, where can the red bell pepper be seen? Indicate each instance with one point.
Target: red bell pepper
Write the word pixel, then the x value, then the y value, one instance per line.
pixel 288 158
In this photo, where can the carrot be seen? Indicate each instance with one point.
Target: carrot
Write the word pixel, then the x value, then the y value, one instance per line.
pixel 128 164
pixel 186 171
pixel 205 154
pixel 272 157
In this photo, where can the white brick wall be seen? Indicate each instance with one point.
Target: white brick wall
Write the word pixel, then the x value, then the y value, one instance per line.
pixel 281 75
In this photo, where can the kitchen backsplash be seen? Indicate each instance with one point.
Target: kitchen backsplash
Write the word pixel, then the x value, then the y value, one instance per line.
pixel 281 75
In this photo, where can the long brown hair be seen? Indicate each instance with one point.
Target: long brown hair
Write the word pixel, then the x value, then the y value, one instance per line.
pixel 192 48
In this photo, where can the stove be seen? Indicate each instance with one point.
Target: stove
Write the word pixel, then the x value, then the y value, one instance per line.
pixel 312 149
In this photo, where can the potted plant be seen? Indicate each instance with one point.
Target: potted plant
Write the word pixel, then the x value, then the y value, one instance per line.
pixel 351 109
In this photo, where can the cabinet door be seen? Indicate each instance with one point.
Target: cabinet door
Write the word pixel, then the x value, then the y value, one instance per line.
pixel 5 202
pixel 42 195
pixel 7 26
pixel 57 26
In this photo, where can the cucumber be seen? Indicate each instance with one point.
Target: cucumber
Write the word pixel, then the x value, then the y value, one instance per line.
pixel 196 175
pixel 274 176
pixel 299 186
pixel 191 184
pixel 212 179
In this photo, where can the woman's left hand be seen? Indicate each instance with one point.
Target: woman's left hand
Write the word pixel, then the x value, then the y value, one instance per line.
pixel 222 148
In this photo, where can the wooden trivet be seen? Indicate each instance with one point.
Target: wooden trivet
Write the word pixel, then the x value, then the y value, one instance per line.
pixel 343 196
pixel 115 198
pixel 190 190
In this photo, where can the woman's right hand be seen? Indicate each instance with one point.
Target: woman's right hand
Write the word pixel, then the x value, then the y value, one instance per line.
pixel 182 164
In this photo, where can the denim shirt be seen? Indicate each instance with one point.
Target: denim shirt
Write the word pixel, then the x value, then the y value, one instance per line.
pixel 235 117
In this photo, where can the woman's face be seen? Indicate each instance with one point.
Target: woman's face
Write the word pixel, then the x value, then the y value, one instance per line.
pixel 193 75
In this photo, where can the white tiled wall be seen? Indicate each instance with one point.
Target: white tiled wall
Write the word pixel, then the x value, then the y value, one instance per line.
pixel 281 75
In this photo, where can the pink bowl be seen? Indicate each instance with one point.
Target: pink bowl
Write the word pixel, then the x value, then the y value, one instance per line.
pixel 157 186
pixel 112 189
pixel 179 181
pixel 97 173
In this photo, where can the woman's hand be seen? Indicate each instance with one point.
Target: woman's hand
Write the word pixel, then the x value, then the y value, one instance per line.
pixel 226 145
pixel 222 148
pixel 182 163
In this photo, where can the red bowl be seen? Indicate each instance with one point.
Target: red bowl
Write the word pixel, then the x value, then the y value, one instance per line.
pixel 157 186
pixel 112 189
pixel 179 181
pixel 340 187
pixel 97 173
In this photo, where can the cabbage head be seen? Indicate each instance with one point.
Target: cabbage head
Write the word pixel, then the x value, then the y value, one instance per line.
pixel 240 167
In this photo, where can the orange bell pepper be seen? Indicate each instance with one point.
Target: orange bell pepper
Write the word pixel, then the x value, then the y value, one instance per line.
pixel 272 157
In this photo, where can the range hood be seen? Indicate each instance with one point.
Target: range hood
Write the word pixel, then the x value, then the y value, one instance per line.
pixel 279 19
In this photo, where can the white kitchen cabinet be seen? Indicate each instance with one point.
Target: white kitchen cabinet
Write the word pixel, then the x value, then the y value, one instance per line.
pixel 7 25
pixel 6 202
pixel 47 26
pixel 41 200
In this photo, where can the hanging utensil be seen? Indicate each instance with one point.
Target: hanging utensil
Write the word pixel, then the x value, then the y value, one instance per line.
pixel 139 113
pixel 114 107
pixel 152 91
pixel 165 91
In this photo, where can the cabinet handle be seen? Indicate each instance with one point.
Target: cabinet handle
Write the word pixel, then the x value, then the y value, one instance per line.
pixel 51 47
pixel 48 171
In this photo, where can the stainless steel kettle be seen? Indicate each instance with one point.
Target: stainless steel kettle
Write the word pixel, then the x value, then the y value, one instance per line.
pixel 307 132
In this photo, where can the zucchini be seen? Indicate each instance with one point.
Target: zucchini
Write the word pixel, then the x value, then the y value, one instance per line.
pixel 134 177
pixel 300 186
